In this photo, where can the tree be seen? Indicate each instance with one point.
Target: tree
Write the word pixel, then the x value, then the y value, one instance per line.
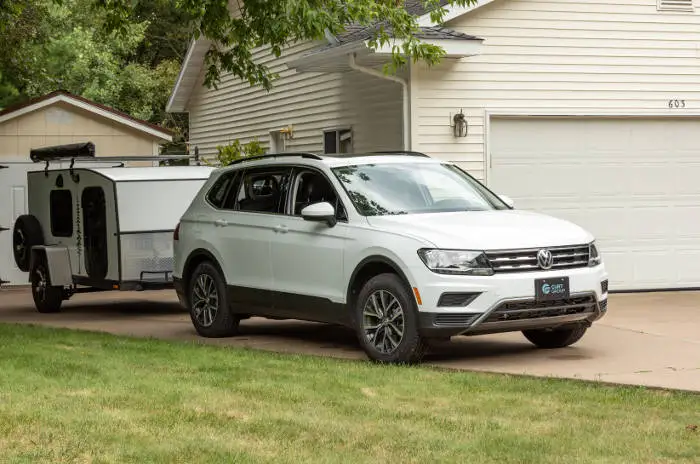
pixel 276 24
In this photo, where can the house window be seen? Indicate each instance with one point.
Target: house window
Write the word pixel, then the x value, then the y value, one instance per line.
pixel 337 141
pixel 674 5
pixel 61 212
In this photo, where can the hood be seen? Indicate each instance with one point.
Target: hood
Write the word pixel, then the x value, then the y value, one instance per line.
pixel 485 230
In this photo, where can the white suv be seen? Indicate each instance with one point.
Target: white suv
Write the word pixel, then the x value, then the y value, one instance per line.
pixel 398 246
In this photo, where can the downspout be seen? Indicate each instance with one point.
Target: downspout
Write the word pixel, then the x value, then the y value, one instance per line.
pixel 404 88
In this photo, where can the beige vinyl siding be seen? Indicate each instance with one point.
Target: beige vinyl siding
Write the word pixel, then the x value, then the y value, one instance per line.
pixel 62 124
pixel 565 56
pixel 309 102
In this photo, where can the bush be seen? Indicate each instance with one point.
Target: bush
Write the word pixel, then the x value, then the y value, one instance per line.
pixel 226 154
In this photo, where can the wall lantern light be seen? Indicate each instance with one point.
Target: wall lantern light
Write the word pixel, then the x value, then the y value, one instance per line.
pixel 460 128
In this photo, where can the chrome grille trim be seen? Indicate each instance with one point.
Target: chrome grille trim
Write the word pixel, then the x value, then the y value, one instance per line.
pixel 525 260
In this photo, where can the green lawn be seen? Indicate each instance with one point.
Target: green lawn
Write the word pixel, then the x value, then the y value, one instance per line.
pixel 81 397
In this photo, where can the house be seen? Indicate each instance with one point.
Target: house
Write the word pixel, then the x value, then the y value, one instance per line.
pixel 54 119
pixel 588 110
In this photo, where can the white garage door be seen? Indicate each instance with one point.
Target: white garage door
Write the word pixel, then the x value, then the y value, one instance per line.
pixel 634 183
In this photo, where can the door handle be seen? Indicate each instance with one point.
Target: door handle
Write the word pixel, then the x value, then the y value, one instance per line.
pixel 221 223
pixel 282 229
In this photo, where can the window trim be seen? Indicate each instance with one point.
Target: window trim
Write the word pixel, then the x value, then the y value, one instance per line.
pixel 337 130
pixel 51 215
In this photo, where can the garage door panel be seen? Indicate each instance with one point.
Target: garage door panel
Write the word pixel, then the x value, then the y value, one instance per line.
pixel 634 183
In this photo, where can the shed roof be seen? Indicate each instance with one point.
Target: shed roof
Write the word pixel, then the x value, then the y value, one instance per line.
pixel 77 101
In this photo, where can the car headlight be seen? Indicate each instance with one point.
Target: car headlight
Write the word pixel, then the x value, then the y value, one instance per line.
pixel 459 262
pixel 594 258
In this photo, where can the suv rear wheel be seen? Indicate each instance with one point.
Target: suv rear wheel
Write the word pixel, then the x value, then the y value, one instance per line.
pixel 387 322
pixel 208 303
pixel 558 338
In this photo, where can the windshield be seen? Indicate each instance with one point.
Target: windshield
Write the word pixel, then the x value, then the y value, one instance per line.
pixel 410 188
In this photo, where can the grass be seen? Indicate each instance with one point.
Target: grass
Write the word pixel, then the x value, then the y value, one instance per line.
pixel 81 397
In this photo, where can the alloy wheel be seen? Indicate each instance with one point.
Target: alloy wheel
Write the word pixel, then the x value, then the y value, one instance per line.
pixel 40 284
pixel 205 300
pixel 383 321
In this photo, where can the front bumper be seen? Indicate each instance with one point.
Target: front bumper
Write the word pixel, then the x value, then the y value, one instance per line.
pixel 507 303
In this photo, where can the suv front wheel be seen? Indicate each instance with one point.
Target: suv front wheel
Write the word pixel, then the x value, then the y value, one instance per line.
pixel 387 321
pixel 208 303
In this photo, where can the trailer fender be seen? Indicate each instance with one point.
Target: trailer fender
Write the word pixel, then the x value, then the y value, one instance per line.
pixel 57 263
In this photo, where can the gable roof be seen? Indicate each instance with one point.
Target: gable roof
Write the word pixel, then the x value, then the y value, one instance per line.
pixel 77 101
pixel 194 60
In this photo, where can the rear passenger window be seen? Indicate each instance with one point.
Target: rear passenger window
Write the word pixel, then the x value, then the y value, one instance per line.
pixel 263 190
pixel 61 212
pixel 217 193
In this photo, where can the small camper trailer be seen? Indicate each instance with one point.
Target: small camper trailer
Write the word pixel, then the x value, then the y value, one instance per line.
pixel 96 229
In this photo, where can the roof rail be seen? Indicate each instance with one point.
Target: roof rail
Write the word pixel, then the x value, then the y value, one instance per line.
pixel 401 152
pixel 275 155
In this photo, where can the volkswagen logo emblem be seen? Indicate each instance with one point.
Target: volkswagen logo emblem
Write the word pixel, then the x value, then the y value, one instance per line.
pixel 545 259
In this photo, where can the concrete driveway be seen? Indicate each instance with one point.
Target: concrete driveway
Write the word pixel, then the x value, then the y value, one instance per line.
pixel 646 339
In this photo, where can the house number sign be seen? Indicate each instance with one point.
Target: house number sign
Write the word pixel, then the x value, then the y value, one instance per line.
pixel 676 104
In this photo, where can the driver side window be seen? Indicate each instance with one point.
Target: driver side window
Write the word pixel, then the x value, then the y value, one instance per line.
pixel 313 187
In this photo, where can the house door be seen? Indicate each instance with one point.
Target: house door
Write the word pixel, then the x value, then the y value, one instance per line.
pixel 95 232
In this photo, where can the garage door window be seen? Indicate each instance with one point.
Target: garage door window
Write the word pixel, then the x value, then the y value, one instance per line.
pixel 61 205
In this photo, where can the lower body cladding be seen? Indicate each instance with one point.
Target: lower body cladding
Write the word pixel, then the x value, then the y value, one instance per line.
pixel 468 305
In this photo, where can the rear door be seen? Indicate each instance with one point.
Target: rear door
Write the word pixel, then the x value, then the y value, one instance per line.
pixel 244 225
pixel 13 203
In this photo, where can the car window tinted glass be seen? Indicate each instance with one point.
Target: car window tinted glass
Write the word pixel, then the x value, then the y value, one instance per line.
pixel 217 193
pixel 61 212
pixel 263 190
pixel 410 188
pixel 313 187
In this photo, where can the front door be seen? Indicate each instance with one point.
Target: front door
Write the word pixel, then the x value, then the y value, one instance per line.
pixel 307 257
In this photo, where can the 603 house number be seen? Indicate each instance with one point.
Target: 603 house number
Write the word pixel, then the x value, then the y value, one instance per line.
pixel 676 104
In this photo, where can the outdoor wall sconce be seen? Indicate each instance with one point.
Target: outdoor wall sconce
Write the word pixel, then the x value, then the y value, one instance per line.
pixel 288 132
pixel 459 125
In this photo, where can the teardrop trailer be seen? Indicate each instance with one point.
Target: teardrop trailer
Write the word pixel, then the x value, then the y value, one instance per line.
pixel 94 229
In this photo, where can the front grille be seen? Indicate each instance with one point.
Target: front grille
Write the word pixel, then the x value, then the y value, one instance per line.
pixel 455 319
pixel 570 257
pixel 531 309
pixel 604 286
pixel 456 299
pixel 603 306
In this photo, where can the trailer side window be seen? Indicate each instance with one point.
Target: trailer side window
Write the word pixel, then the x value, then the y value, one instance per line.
pixel 61 211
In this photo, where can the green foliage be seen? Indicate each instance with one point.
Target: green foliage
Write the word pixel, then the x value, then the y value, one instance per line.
pixel 67 45
pixel 226 154
pixel 276 24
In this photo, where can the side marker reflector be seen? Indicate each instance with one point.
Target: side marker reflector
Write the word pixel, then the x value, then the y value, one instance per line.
pixel 417 293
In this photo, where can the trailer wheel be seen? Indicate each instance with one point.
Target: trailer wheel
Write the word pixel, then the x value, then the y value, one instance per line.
pixel 27 233
pixel 209 306
pixel 47 298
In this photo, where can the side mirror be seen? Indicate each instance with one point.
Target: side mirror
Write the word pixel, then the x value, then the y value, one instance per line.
pixel 507 200
pixel 320 212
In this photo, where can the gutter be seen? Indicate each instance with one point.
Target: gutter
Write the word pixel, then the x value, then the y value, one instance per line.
pixel 404 88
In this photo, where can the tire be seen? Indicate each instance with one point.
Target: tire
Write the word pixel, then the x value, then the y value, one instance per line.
pixel 382 344
pixel 47 298
pixel 208 303
pixel 27 233
pixel 549 339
